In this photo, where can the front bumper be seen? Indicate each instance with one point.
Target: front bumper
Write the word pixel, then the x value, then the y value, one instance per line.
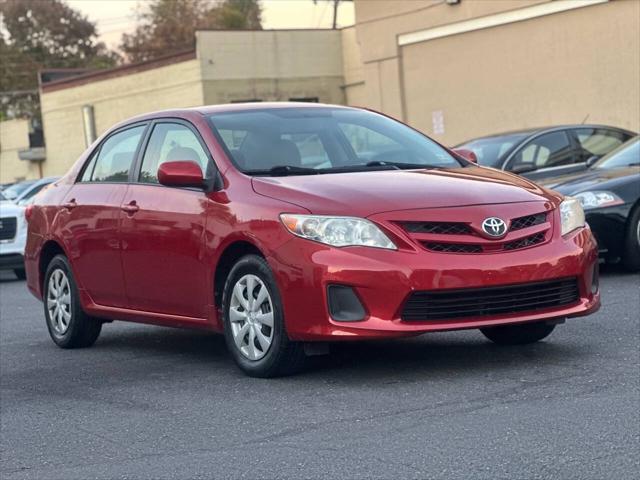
pixel 383 280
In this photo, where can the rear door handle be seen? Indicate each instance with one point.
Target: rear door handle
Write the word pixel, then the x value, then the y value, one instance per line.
pixel 131 207
pixel 71 204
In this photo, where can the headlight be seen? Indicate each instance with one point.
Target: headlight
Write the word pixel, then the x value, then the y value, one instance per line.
pixel 598 198
pixel 337 231
pixel 571 214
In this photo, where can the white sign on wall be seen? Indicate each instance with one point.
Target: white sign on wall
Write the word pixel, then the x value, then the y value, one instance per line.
pixel 437 119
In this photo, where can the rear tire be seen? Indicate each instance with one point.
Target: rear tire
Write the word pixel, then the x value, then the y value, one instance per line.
pixel 68 325
pixel 20 273
pixel 631 252
pixel 253 318
pixel 518 334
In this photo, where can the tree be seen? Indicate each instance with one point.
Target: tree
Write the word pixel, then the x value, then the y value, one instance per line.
pixel 37 34
pixel 167 26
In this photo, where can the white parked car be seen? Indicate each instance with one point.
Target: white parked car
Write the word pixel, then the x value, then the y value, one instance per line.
pixel 24 192
pixel 13 237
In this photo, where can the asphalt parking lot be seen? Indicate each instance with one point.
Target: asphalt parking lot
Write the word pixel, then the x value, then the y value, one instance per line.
pixel 151 402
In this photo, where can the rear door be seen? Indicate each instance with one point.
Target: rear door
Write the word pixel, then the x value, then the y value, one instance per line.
pixel 91 214
pixel 163 231
pixel 546 155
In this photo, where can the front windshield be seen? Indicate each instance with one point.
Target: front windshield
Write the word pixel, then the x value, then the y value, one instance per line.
pixel 2 197
pixel 296 141
pixel 626 155
pixel 491 150
pixel 14 191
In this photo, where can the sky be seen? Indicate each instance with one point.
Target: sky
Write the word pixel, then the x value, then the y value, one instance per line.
pixel 115 17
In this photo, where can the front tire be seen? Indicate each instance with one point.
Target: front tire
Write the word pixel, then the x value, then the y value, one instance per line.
pixel 67 323
pixel 631 252
pixel 253 318
pixel 518 334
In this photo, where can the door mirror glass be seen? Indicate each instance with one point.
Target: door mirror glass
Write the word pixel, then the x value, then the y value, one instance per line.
pixel 181 173
pixel 466 154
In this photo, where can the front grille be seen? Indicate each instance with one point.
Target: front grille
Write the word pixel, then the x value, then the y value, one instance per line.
pixel 440 228
pixel 525 242
pixel 487 301
pixel 8 227
pixel 528 221
pixel 453 247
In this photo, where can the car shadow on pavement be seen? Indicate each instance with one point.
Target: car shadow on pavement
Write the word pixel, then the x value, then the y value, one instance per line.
pixel 401 360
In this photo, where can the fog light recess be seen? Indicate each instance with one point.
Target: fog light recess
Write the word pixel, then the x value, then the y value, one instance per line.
pixel 344 304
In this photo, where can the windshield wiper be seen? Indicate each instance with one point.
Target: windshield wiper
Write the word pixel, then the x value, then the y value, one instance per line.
pixel 284 170
pixel 399 165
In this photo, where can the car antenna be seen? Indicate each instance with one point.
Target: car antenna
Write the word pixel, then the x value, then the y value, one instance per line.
pixel 585 118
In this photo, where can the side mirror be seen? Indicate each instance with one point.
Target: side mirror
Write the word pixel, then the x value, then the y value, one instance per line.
pixel 523 168
pixel 592 159
pixel 466 154
pixel 181 174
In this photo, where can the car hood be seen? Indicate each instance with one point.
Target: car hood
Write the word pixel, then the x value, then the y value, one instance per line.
pixel 592 179
pixel 366 193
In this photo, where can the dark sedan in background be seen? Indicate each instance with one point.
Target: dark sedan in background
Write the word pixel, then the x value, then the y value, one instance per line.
pixel 609 191
pixel 547 152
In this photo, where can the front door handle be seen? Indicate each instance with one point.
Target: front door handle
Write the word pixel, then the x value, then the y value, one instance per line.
pixel 131 208
pixel 71 204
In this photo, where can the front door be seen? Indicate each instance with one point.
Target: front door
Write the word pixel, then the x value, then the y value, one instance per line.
pixel 93 209
pixel 547 155
pixel 163 231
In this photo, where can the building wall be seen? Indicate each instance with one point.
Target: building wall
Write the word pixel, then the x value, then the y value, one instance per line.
pixel 271 65
pixel 114 100
pixel 552 69
pixel 353 69
pixel 14 136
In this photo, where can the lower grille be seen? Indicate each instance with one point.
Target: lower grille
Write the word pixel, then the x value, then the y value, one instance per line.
pixel 486 301
pixel 8 227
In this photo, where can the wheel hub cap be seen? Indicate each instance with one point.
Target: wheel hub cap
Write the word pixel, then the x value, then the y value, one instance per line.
pixel 59 301
pixel 251 317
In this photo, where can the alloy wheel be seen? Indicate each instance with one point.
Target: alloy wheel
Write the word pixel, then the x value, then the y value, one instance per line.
pixel 59 301
pixel 251 317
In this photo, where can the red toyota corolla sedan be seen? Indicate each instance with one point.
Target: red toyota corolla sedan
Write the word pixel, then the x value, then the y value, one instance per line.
pixel 286 224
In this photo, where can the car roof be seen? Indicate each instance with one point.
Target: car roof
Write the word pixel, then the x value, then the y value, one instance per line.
pixel 224 108
pixel 535 130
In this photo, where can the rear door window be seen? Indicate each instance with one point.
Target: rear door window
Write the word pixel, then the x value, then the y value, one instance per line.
pixel 115 157
pixel 598 141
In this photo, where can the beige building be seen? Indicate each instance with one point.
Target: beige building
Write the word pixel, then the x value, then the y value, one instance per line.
pixel 461 69
pixel 455 69
pixel 226 66
pixel 14 143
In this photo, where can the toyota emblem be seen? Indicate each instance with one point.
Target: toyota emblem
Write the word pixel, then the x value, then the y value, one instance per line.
pixel 494 227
